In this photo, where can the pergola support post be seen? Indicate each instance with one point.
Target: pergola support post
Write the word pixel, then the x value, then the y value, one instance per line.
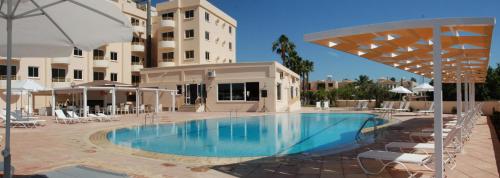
pixel 113 101
pixel 438 102
pixel 172 108
pixel 157 100
pixel 85 108
pixel 459 102
pixel 53 101
pixel 137 100
pixel 466 93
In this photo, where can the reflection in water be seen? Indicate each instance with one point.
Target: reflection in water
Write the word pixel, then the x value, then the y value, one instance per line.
pixel 244 136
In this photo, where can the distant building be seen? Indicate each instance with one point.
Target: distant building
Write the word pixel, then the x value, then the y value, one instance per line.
pixel 393 84
pixel 327 84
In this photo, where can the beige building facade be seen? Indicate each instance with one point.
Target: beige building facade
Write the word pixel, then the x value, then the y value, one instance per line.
pixel 191 32
pixel 119 62
pixel 253 87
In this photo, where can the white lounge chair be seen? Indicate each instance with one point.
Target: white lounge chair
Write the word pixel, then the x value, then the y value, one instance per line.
pixel 430 110
pixel 406 107
pixel 387 158
pixel 94 117
pixel 17 123
pixel 364 105
pixel 107 117
pixel 75 116
pixel 318 105
pixel 384 105
pixel 61 116
pixel 326 104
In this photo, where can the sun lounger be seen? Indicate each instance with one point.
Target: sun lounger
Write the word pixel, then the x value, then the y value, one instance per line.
pixel 94 117
pixel 75 116
pixel 61 116
pixel 18 123
pixel 384 105
pixel 406 107
pixel 430 110
pixel 318 105
pixel 387 158
pixel 107 117
pixel 326 105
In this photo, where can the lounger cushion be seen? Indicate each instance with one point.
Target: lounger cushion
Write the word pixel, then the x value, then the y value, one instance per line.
pixel 410 145
pixel 425 134
pixel 394 156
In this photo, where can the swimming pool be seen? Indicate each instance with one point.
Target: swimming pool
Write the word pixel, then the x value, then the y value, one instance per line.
pixel 246 136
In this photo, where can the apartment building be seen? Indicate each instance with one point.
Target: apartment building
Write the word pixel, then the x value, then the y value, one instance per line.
pixel 190 32
pixel 196 55
pixel 118 62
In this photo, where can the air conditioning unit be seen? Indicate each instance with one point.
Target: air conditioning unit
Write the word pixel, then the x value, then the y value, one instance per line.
pixel 211 74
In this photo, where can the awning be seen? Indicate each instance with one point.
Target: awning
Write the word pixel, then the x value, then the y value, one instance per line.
pixel 407 45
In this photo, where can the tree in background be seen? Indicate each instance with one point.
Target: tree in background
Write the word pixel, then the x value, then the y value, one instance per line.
pixel 283 47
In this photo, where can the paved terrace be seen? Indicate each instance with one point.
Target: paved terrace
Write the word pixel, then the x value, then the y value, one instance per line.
pixel 54 146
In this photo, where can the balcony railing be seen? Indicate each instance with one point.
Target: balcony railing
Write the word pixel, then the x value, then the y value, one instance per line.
pixel 136 63
pixel 60 79
pixel 4 77
pixel 138 43
pixel 98 57
pixel 167 18
pixel 167 39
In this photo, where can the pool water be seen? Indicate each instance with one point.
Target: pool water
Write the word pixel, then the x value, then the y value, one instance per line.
pixel 246 136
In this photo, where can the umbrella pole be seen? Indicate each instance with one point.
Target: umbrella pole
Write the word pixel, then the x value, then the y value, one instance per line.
pixel 6 151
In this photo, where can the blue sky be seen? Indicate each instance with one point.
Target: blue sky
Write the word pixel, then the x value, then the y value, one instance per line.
pixel 260 22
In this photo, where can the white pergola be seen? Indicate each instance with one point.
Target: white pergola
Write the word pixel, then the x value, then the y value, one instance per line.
pixel 448 50
pixel 113 90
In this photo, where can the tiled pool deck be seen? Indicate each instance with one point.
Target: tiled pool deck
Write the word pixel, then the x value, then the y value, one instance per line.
pixel 56 145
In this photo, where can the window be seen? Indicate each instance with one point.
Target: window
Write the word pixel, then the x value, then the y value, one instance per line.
pixel 190 54
pixel 230 46
pixel 136 60
pixel 136 40
pixel 330 84
pixel 98 54
pixel 189 14
pixel 278 91
pixel 3 72
pixel 291 92
pixel 179 89
pixel 207 17
pixel 282 75
pixel 98 75
pixel 224 92
pixel 114 56
pixel 168 57
pixel 134 21
pixel 207 55
pixel 33 72
pixel 189 34
pixel 136 79
pixel 207 35
pixel 58 75
pixel 230 29
pixel 168 16
pixel 230 61
pixel 238 91
pixel 114 77
pixel 77 52
pixel 77 74
pixel 252 91
pixel 167 36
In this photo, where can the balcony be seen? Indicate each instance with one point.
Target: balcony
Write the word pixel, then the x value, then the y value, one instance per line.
pixel 167 23
pixel 137 47
pixel 137 66
pixel 167 44
pixel 61 60
pixel 139 29
pixel 12 77
pixel 101 62
pixel 61 82
pixel 166 64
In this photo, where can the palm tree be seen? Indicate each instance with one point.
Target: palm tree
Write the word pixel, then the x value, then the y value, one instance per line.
pixel 307 67
pixel 362 80
pixel 283 47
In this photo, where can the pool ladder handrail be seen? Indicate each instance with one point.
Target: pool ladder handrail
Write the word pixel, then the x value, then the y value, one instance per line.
pixel 152 117
pixel 372 119
pixel 235 112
